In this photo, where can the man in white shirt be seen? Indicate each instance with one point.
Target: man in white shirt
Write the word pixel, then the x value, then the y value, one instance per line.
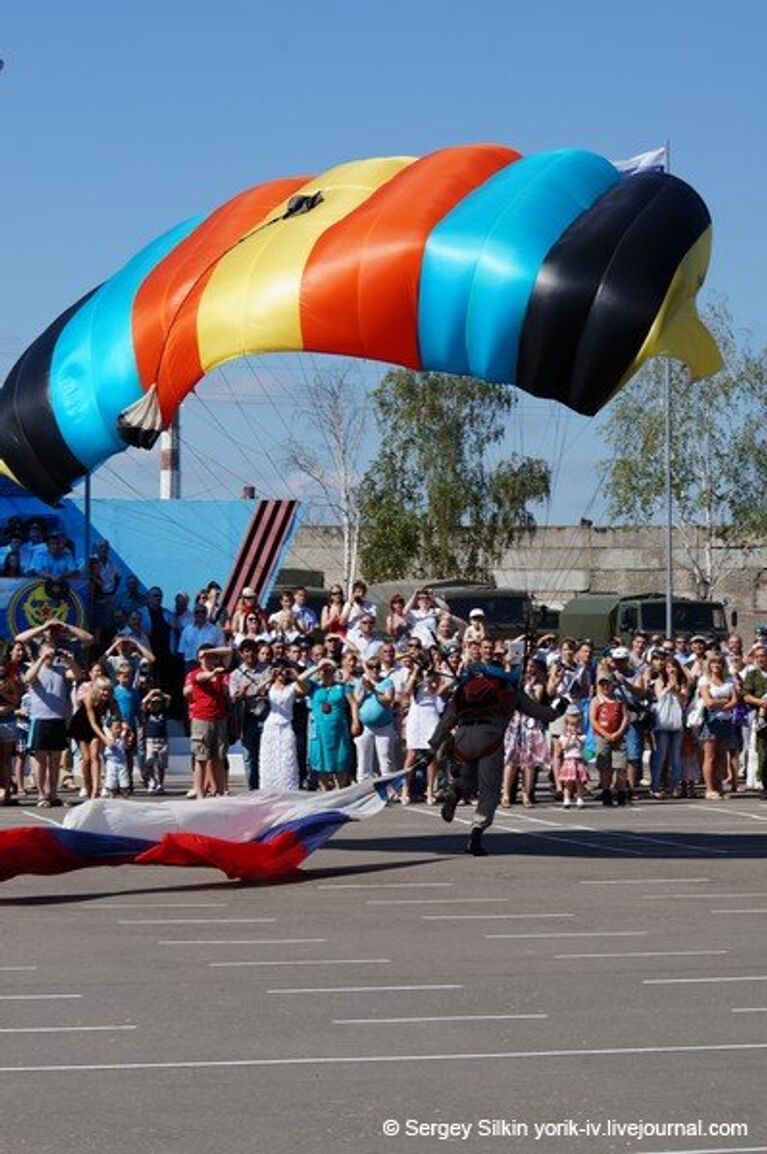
pixel 357 606
pixel 200 632
pixel 422 612
pixel 362 639
pixel 306 618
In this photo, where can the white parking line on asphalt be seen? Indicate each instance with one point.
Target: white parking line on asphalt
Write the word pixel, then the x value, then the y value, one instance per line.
pixel 749 1010
pixel 687 847
pixel 360 989
pixel 306 962
pixel 699 897
pixel 157 905
pixel 36 997
pixel 685 981
pixel 566 824
pixel 384 1059
pixel 577 934
pixel 62 1029
pixel 650 954
pixel 382 885
pixel 194 921
pixel 731 811
pixel 763 910
pixel 445 1018
pixel 644 882
pixel 431 901
pixel 15 969
pixel 490 917
pixel 600 845
pixel 242 942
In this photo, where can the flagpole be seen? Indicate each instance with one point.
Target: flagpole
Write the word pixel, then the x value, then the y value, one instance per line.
pixel 669 494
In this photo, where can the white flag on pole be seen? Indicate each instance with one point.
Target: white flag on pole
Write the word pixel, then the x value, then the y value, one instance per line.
pixel 654 161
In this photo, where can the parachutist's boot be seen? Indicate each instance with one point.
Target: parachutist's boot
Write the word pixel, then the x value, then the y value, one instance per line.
pixel 474 845
pixel 450 803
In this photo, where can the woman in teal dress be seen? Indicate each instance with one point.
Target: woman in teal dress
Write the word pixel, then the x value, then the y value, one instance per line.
pixel 331 751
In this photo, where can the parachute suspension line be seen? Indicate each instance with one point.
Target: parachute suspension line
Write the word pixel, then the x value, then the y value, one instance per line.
pixel 280 473
pixel 185 535
pixel 321 543
pixel 230 440
pixel 203 459
pixel 575 548
pixel 571 552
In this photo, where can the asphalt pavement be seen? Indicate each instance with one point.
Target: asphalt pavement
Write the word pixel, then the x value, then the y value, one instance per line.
pixel 600 970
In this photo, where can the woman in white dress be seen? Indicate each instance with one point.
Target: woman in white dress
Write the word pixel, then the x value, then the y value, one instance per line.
pixel 279 754
pixel 423 701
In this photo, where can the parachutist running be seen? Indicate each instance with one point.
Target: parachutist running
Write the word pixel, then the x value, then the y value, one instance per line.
pixel 470 738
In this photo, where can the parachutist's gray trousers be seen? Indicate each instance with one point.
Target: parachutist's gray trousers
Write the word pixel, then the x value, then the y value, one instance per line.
pixel 479 753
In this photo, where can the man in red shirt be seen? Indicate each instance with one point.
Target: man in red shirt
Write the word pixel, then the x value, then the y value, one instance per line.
pixel 206 688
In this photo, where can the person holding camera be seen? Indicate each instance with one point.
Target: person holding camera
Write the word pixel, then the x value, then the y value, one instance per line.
pixel 357 606
pixel 422 613
pixel 422 697
pixel 332 710
pixel 279 770
pixel 49 680
pixel 248 685
pixel 206 688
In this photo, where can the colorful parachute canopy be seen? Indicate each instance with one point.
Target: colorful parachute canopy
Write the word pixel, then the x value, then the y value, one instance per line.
pixel 257 836
pixel 549 272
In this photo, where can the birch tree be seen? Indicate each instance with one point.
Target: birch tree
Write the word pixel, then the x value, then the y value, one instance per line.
pixel 336 416
pixel 718 455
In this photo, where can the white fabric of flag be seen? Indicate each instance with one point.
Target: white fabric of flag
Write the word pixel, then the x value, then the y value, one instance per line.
pixel 654 161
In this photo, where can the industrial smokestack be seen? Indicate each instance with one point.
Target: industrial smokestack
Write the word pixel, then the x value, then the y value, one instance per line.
pixel 170 466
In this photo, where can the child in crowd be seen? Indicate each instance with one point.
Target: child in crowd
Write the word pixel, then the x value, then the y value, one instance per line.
pixel 154 713
pixel 690 763
pixel 128 701
pixel 573 774
pixel 21 764
pixel 116 771
pixel 609 722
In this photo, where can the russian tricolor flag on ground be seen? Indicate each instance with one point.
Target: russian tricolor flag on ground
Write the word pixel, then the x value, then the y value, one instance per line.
pixel 255 836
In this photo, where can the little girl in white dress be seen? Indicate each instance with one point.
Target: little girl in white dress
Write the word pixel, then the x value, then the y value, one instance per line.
pixel 573 774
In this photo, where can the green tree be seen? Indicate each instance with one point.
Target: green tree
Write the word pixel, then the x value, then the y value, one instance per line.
pixel 718 454
pixel 431 503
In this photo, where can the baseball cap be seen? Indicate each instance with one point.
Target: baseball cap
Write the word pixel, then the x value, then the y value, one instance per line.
pixel 620 653
pixel 477 613
pixel 248 592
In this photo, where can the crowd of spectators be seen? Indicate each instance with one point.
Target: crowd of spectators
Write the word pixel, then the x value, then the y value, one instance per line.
pixel 318 699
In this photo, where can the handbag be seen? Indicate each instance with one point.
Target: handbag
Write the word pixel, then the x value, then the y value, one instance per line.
pixel 668 713
pixel 696 713
pixel 259 708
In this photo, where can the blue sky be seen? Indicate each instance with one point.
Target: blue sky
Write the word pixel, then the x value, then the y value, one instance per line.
pixel 120 119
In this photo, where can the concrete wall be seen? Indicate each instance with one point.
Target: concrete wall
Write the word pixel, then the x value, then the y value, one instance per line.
pixel 182 544
pixel 558 562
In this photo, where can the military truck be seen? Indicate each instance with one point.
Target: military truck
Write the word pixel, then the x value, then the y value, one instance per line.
pixel 602 616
